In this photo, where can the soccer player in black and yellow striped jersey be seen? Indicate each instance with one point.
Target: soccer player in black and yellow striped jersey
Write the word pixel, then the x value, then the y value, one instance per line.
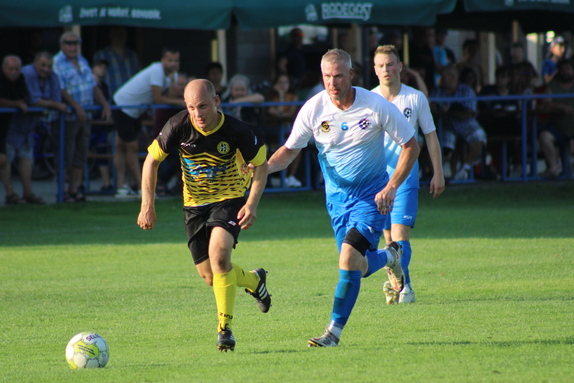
pixel 221 158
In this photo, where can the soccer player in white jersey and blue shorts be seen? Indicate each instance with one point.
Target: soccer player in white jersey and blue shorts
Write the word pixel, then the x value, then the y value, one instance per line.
pixel 414 106
pixel 349 126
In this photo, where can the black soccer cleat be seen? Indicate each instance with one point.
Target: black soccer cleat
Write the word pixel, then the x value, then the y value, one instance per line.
pixel 261 294
pixel 225 340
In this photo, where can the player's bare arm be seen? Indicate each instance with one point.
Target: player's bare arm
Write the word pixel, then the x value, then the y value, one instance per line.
pixel 409 154
pixel 282 158
pixel 147 216
pixel 437 184
pixel 248 213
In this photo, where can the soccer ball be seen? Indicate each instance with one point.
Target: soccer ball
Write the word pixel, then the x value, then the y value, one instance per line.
pixel 87 350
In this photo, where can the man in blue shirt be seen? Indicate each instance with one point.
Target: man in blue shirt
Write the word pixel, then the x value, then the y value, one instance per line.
pixel 79 89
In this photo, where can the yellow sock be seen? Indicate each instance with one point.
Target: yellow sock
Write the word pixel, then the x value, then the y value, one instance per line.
pixel 245 279
pixel 224 286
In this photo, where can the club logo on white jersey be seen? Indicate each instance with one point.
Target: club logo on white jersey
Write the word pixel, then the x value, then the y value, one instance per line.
pixel 364 123
pixel 407 113
pixel 325 128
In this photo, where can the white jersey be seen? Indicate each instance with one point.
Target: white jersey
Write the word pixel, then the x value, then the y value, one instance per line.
pixel 414 106
pixel 350 142
pixel 137 90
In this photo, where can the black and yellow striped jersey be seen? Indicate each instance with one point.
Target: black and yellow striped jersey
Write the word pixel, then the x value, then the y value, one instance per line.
pixel 214 164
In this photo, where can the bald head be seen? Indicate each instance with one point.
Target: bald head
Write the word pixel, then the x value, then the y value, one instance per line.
pixel 202 104
pixel 11 66
pixel 199 86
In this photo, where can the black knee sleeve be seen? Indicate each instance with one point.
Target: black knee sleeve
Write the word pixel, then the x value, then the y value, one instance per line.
pixel 357 240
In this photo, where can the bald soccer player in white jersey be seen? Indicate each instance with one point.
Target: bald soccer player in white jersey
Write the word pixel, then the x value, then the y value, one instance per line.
pixel 414 106
pixel 349 126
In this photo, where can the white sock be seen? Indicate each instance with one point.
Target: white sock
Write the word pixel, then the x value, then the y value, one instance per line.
pixel 335 330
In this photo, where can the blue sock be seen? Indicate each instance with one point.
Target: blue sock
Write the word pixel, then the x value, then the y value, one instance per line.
pixel 346 295
pixel 406 259
pixel 377 259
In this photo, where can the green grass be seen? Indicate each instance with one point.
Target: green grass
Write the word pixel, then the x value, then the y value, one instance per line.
pixel 493 269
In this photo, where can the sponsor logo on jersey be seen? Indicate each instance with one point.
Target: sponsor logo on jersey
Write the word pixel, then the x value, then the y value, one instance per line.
pixel 223 147
pixel 364 123
pixel 407 113
pixel 325 128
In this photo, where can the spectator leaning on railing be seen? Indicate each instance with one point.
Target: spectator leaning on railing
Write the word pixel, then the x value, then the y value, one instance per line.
pixel 13 94
pixel 44 92
pixel 78 90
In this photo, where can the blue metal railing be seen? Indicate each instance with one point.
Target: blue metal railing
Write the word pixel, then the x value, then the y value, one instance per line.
pixel 523 99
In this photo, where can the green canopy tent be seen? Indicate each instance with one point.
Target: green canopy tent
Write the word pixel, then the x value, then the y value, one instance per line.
pixel 214 14
pixel 498 15
pixel 217 14
pixel 257 14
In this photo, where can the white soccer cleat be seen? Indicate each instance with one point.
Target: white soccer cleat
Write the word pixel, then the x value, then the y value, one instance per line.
pixel 328 339
pixel 393 268
pixel 407 295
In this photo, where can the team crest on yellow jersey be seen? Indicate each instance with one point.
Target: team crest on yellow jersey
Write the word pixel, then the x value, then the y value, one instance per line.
pixel 223 147
pixel 325 128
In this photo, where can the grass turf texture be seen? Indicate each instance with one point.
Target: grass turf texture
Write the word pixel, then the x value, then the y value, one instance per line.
pixel 492 270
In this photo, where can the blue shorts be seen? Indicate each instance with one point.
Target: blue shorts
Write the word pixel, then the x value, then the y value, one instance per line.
pixel 359 214
pixel 405 208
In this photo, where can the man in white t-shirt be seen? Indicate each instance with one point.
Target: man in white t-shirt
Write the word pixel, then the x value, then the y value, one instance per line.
pixel 349 125
pixel 414 106
pixel 155 84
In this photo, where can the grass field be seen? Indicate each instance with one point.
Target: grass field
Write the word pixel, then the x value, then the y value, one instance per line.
pixel 493 269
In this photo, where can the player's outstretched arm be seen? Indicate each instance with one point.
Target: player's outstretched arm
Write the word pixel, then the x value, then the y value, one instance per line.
pixel 248 213
pixel 282 158
pixel 147 216
pixel 437 182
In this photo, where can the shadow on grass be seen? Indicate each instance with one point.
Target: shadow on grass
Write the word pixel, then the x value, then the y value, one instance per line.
pixel 494 210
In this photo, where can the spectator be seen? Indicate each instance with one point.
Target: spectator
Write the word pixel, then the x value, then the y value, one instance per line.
pixel 311 84
pixel 123 61
pixel 278 116
pixel 421 55
pixel 79 90
pixel 13 94
pixel 440 37
pixel 170 168
pixel 44 92
pixel 518 57
pixel 413 79
pixel 457 119
pixel 556 53
pixel 296 62
pixel 501 117
pixel 468 77
pixel 155 84
pixel 239 91
pixel 557 136
pixel 214 73
pixel 99 137
pixel 470 51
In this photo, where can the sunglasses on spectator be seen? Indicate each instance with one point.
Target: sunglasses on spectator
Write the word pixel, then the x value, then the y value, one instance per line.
pixel 71 42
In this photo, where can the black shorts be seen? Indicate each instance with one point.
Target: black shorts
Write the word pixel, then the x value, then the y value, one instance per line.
pixel 200 219
pixel 128 127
